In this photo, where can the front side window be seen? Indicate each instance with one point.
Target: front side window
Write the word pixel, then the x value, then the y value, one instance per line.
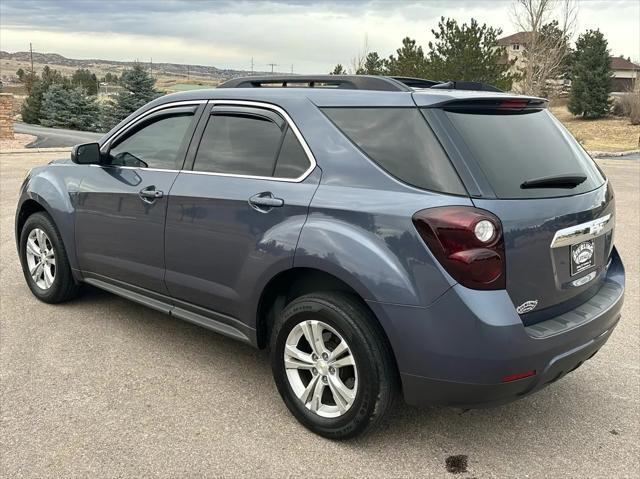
pixel 156 145
pixel 249 145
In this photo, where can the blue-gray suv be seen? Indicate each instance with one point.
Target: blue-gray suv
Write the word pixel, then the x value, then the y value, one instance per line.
pixel 380 235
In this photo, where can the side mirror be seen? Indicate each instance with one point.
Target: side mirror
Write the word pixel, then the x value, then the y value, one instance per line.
pixel 86 154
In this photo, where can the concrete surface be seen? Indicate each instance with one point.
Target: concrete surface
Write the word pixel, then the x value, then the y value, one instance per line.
pixel 101 387
pixel 55 137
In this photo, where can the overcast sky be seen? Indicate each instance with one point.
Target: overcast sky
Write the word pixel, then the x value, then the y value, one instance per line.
pixel 311 35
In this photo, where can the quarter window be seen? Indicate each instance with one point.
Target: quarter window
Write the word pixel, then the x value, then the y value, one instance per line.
pixel 156 145
pixel 402 143
pixel 292 161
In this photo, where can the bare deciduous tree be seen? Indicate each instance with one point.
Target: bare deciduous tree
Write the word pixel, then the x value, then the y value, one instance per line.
pixel 357 63
pixel 548 26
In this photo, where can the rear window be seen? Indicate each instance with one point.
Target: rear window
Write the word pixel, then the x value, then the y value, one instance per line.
pixel 400 141
pixel 513 149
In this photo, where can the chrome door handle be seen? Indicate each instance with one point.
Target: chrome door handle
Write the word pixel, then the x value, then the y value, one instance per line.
pixel 265 201
pixel 150 194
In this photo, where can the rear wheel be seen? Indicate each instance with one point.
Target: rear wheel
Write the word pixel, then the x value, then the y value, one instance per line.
pixel 44 260
pixel 332 365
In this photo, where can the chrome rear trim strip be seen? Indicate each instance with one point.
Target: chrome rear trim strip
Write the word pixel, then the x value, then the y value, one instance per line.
pixel 582 232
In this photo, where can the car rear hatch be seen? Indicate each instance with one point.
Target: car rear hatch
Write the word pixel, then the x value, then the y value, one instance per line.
pixel 555 205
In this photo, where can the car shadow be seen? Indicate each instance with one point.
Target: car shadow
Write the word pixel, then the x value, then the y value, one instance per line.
pixel 207 350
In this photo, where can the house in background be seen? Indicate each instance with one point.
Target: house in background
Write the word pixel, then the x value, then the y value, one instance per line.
pixel 514 46
pixel 626 75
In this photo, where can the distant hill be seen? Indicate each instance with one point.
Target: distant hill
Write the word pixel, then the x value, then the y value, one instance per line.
pixel 101 67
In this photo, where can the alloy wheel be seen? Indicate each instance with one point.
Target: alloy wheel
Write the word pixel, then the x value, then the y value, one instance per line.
pixel 321 368
pixel 41 258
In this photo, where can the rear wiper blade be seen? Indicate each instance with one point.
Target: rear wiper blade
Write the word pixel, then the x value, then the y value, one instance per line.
pixel 557 181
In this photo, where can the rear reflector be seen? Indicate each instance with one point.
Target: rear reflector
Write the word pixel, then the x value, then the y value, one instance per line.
pixel 515 377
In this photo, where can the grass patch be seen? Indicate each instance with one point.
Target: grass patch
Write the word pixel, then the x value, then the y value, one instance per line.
pixel 605 134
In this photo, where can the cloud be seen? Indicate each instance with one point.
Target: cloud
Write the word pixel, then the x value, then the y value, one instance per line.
pixel 311 35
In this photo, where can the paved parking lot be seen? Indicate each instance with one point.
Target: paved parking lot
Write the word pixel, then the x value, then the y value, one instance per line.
pixel 104 387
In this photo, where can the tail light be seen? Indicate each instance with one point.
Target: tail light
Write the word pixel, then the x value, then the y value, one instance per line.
pixel 467 242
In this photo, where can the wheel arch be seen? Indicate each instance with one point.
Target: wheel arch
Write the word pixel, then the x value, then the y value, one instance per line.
pixel 57 207
pixel 287 285
pixel 26 209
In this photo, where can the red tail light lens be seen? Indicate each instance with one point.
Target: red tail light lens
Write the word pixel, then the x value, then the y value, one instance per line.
pixel 461 240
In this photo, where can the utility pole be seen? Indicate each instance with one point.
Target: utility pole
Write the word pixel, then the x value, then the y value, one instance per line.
pixel 251 65
pixel 292 68
pixel 272 65
pixel 31 54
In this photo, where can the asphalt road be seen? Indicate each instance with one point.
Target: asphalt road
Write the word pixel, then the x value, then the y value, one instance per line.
pixel 55 137
pixel 102 387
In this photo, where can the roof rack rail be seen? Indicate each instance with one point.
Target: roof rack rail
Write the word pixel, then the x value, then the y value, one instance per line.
pixel 353 82
pixel 349 82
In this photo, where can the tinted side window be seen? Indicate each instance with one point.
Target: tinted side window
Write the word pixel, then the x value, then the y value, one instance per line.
pixel 401 142
pixel 292 161
pixel 241 145
pixel 155 145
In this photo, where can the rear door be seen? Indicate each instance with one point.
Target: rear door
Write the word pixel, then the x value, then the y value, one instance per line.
pixel 122 204
pixel 233 221
pixel 556 208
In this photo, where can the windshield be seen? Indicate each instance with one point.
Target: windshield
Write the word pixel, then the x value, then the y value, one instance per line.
pixel 515 149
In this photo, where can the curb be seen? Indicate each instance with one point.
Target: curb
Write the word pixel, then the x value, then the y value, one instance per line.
pixel 34 150
pixel 610 154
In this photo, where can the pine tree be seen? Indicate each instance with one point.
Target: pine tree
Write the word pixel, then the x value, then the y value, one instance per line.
pixel 31 107
pixel 468 53
pixel 338 70
pixel 69 108
pixel 591 76
pixel 85 79
pixel 409 60
pixel 36 88
pixel 373 65
pixel 138 89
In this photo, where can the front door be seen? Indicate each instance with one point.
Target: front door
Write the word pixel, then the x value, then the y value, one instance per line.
pixel 234 220
pixel 122 204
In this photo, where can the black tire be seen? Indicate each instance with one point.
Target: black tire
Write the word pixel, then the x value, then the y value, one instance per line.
pixel 63 287
pixel 377 375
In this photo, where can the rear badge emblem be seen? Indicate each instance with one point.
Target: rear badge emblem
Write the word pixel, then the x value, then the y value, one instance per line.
pixel 584 279
pixel 527 306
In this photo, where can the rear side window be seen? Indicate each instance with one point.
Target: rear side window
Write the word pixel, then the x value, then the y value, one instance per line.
pixel 400 141
pixel 251 145
pixel 240 145
pixel 513 149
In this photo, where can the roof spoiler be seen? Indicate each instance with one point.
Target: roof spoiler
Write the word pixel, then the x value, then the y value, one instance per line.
pixel 353 82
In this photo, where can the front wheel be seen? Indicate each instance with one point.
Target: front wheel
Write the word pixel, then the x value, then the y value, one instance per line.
pixel 332 365
pixel 44 260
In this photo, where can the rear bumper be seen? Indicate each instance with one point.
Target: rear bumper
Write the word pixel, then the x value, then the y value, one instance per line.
pixel 457 351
